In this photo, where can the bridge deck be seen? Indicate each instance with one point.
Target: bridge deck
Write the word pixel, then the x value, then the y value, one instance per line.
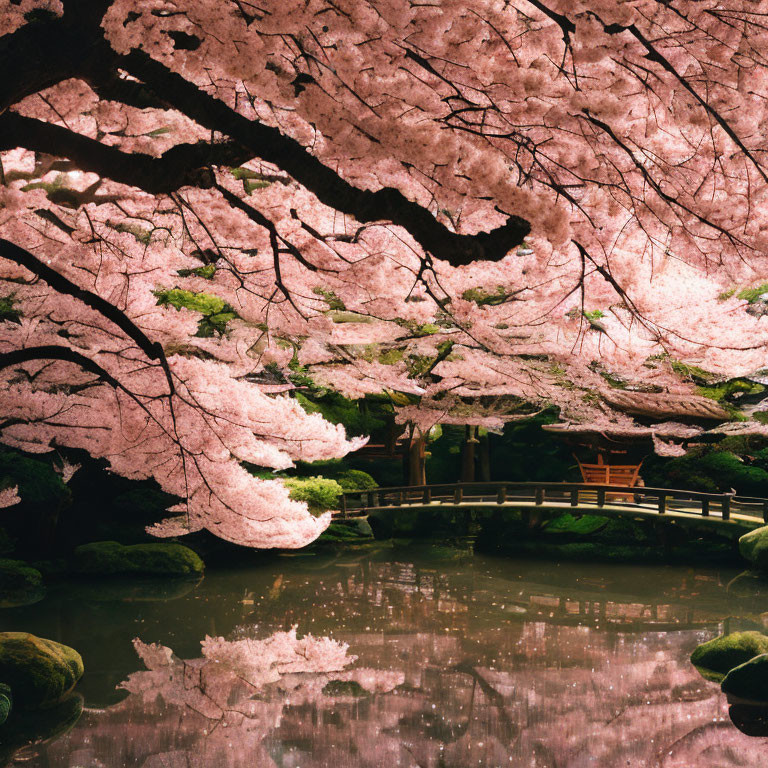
pixel 607 501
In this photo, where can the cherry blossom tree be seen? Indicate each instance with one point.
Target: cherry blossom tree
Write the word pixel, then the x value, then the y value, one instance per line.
pixel 519 198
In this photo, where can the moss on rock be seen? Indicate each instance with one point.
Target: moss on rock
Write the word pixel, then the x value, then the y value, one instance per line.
pixel 748 681
pixel 40 672
pixel 19 584
pixel 753 547
pixel 6 702
pixel 160 558
pixel 344 688
pixel 716 658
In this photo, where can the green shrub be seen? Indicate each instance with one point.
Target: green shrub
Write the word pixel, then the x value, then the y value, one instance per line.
pixel 320 493
pixel 355 480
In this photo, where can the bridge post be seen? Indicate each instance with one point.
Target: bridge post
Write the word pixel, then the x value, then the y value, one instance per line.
pixel 373 499
pixel 344 505
pixel 705 507
pixel 539 496
pixel 458 495
pixel 601 497
pixel 765 511
pixel 726 507
pixel 662 504
pixel 575 497
pixel 426 497
pixel 501 496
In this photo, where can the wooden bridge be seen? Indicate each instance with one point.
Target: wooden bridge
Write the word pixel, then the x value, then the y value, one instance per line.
pixel 579 498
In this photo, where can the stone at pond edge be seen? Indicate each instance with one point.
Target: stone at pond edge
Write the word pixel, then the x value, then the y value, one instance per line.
pixel 40 672
pixel 753 547
pixel 6 701
pixel 748 681
pixel 19 584
pixel 160 558
pixel 716 658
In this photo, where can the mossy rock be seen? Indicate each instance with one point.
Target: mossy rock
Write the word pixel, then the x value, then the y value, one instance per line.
pixel 19 584
pixel 344 688
pixel 716 658
pixel 158 558
pixel 38 727
pixel 6 702
pixel 749 681
pixel 346 531
pixel 753 547
pixel 40 672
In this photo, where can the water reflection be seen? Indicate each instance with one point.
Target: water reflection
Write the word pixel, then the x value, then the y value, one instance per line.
pixel 460 662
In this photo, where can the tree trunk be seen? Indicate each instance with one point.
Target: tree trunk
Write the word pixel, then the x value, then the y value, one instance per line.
pixel 468 455
pixel 485 458
pixel 417 459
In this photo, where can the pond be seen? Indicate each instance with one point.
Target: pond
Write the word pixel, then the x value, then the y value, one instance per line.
pixel 461 660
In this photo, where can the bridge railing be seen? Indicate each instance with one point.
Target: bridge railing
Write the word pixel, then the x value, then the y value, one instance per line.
pixel 582 495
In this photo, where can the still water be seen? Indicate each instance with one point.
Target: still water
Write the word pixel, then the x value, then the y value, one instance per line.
pixel 453 660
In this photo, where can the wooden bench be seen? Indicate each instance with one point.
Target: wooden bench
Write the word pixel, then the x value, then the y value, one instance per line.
pixel 609 474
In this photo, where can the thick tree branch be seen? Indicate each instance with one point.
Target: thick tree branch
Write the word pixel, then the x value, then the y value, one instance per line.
pixel 12 252
pixel 54 352
pixel 182 165
pixel 287 154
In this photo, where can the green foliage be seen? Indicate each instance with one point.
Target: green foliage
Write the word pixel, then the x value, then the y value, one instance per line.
pixel 252 180
pixel 142 235
pixel 355 480
pixel 482 296
pixel 707 470
pixel 391 356
pixel 216 312
pixel 330 298
pixel 38 484
pixel 156 558
pixel 418 330
pixel 716 658
pixel 8 310
pixel 359 417
pixel 731 389
pixel 753 294
pixel 40 672
pixel 725 295
pixel 320 493
pixel 208 271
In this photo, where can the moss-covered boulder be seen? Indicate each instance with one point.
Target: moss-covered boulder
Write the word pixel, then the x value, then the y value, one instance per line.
pixel 748 681
pixel 753 547
pixel 157 558
pixel 716 658
pixel 6 702
pixel 19 584
pixel 40 672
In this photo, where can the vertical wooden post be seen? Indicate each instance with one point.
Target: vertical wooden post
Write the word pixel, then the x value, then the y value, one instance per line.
pixel 539 496
pixel 575 497
pixel 662 504
pixel 705 507
pixel 426 497
pixel 601 497
pixel 501 496
pixel 344 505
pixel 726 507
pixel 374 498
pixel 765 511
pixel 458 495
